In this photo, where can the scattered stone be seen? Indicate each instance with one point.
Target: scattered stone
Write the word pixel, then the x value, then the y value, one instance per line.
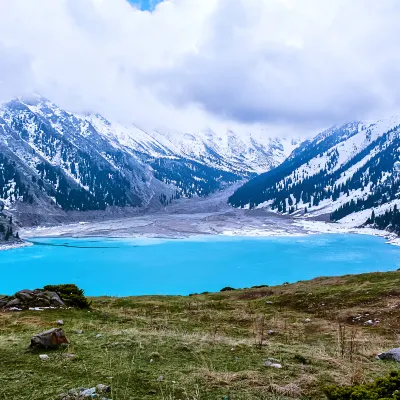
pixel 272 364
pixel 160 378
pixel 52 338
pixel 86 393
pixel 44 357
pixel 391 355
pixel 60 322
pixel 269 302
pixel 79 332
pixel 100 388
pixel 307 320
pixel 70 356
pixel 99 335
pixel 271 332
pixel 151 360
pixel 371 322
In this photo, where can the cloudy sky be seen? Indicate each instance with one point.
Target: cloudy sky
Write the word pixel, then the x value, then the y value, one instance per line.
pixel 291 65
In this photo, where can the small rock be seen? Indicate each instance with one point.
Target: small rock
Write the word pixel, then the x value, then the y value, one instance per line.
pixel 70 356
pixel 88 392
pixel 44 357
pixel 271 332
pixel 100 388
pixel 60 322
pixel 307 320
pixel 79 332
pixel 269 302
pixel 99 335
pixel 272 365
pixel 160 378
pixel 151 360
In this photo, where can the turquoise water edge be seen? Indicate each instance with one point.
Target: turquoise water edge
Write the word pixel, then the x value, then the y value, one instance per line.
pixel 127 267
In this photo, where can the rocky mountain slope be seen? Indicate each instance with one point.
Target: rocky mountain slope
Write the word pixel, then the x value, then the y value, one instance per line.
pixel 345 173
pixel 53 162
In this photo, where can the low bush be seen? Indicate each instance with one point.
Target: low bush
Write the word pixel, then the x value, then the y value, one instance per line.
pixel 70 294
pixel 227 289
pixel 381 389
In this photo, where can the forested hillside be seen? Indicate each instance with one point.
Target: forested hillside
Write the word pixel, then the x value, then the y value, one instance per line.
pixel 342 171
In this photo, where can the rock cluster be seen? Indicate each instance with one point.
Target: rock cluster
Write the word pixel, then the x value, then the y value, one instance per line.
pixel 31 299
pixel 97 392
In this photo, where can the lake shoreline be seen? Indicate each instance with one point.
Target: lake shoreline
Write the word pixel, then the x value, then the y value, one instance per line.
pixel 308 227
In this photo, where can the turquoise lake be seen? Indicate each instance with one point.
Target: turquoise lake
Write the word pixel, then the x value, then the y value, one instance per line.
pixel 122 267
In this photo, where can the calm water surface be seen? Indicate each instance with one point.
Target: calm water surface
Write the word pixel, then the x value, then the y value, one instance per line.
pixel 121 267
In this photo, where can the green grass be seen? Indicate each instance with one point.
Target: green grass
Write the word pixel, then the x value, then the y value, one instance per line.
pixel 211 346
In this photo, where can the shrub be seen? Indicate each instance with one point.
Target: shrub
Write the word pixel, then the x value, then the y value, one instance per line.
pixel 227 289
pixel 301 359
pixel 70 294
pixel 381 389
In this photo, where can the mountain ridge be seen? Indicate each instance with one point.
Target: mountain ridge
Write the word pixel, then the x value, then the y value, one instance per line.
pixel 342 171
pixel 55 161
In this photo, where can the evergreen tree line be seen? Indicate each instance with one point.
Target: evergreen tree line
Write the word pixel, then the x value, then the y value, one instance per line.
pixel 191 178
pixel 11 186
pixel 389 221
pixel 266 186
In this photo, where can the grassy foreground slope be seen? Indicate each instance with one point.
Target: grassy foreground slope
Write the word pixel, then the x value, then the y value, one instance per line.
pixel 212 346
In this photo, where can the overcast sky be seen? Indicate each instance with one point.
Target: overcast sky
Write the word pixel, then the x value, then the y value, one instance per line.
pixel 291 65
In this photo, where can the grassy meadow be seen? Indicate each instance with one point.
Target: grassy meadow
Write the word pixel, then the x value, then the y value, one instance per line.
pixel 211 346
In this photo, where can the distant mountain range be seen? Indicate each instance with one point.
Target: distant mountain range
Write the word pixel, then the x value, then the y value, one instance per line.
pixel 53 161
pixel 343 174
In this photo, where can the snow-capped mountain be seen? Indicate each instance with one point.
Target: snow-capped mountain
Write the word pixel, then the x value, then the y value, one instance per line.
pixel 343 172
pixel 52 159
pixel 251 151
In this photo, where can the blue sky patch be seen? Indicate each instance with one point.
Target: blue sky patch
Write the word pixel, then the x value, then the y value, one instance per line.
pixel 145 4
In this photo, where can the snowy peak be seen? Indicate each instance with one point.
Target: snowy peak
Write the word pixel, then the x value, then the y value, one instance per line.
pixel 60 161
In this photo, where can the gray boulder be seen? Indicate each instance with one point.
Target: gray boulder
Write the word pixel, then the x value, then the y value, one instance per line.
pixel 3 302
pixel 391 355
pixel 25 295
pixel 50 339
pixel 13 303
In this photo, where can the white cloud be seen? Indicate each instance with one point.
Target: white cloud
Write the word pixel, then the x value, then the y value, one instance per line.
pixel 288 64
